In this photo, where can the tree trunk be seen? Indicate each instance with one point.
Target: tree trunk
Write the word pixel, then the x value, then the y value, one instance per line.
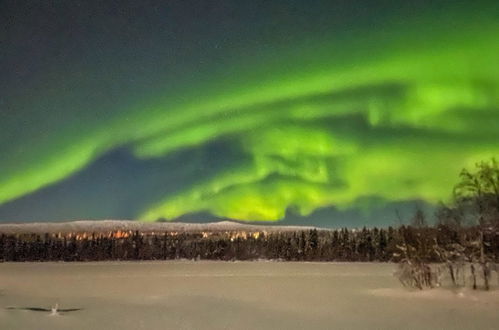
pixel 473 276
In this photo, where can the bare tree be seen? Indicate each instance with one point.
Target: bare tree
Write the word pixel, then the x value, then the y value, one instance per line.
pixel 418 220
pixel 478 192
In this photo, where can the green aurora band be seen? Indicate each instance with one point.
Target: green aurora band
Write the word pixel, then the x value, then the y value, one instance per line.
pixel 393 114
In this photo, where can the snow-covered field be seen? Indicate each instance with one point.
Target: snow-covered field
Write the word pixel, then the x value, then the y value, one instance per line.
pixel 231 295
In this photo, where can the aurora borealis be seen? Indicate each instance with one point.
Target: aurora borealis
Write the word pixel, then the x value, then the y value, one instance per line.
pixel 242 111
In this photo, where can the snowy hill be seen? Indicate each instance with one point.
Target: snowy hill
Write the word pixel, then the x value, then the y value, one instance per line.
pixel 125 225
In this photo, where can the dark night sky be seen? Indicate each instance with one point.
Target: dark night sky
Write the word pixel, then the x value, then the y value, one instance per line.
pixel 311 112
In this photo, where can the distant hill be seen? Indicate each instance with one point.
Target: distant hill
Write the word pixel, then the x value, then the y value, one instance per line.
pixel 127 225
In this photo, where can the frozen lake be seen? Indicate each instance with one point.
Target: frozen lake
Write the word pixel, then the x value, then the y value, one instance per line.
pixel 231 295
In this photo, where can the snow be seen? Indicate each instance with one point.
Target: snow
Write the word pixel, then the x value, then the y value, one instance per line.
pixel 232 295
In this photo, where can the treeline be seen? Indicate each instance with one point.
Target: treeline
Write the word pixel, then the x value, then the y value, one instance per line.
pixel 427 244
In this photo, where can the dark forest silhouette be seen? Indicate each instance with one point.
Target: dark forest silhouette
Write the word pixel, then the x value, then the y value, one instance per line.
pixel 367 244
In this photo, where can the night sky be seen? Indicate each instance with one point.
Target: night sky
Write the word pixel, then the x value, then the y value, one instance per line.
pixel 332 113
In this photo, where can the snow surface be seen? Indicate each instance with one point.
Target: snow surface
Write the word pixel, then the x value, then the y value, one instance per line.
pixel 232 295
